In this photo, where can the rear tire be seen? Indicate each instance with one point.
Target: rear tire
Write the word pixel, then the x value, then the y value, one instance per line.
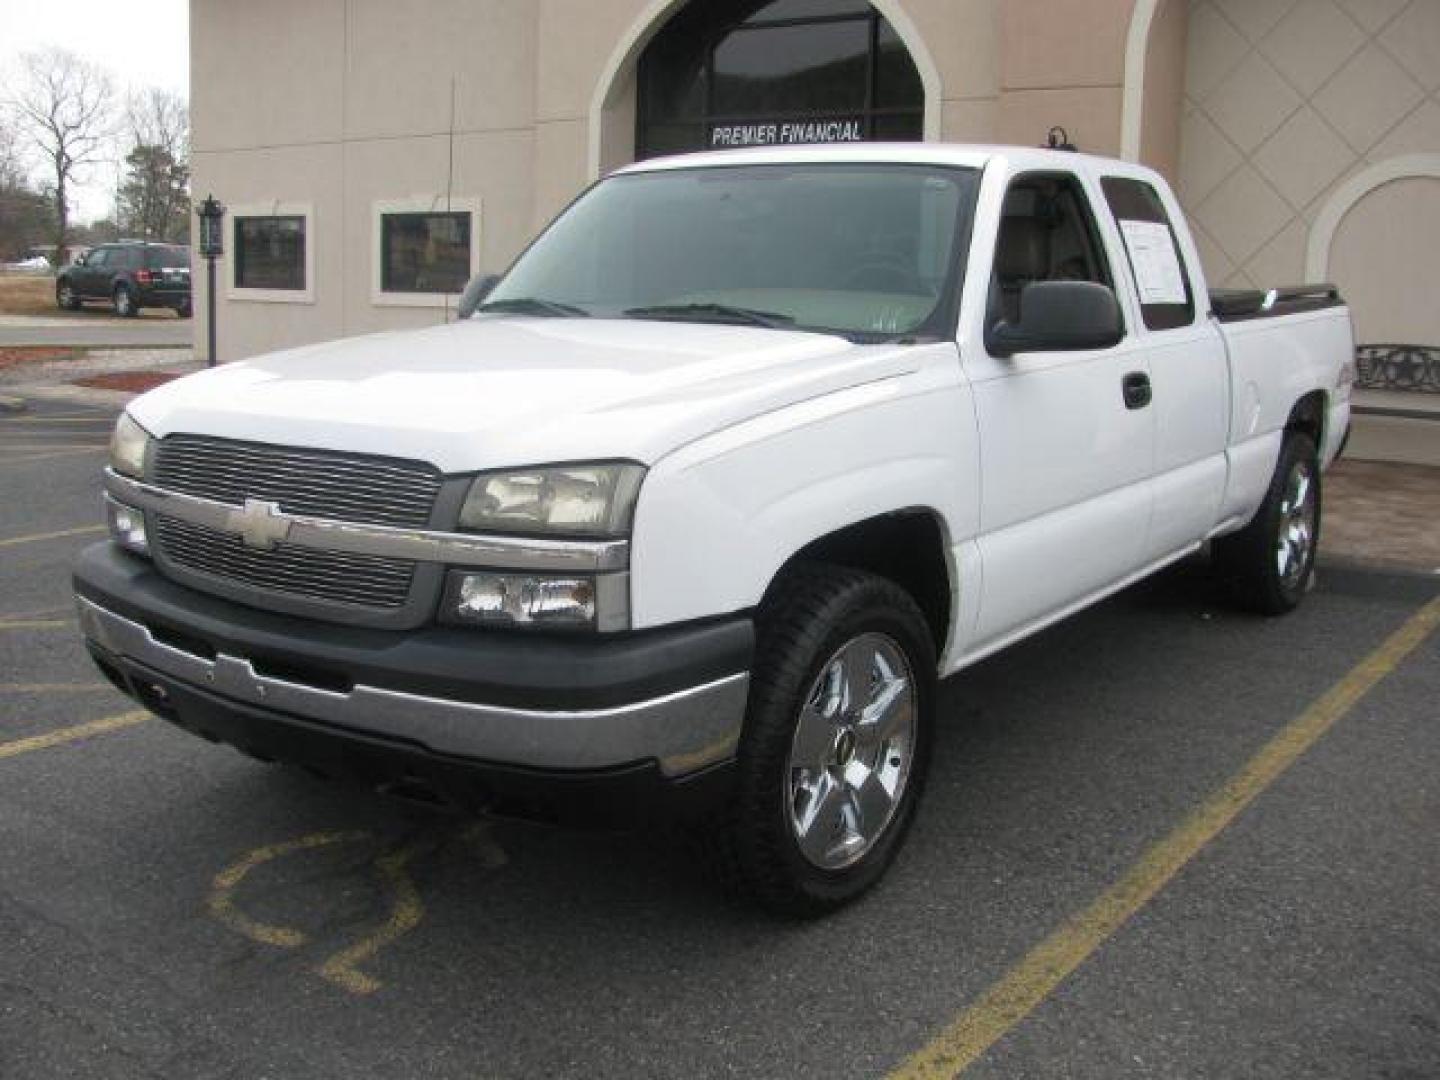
pixel 1268 564
pixel 836 742
pixel 185 310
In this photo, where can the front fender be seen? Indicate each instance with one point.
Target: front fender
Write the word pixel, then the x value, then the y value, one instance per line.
pixel 718 518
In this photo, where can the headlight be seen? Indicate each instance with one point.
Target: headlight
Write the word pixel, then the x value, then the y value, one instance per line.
pixel 571 500
pixel 127 447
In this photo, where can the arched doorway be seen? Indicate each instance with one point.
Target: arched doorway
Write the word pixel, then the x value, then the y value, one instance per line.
pixel 731 73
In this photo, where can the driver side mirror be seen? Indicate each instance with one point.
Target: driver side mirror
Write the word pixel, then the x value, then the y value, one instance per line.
pixel 476 290
pixel 80 259
pixel 1060 316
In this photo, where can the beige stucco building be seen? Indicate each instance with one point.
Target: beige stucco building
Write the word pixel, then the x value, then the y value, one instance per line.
pixel 374 152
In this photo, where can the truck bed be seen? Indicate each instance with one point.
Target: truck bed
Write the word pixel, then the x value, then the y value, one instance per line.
pixel 1236 305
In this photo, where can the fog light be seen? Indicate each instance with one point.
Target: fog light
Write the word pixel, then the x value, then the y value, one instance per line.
pixel 524 599
pixel 127 526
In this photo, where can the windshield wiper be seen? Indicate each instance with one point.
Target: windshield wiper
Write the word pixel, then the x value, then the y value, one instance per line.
pixel 722 313
pixel 533 305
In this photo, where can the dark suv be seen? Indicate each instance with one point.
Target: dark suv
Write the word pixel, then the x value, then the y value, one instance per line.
pixel 130 275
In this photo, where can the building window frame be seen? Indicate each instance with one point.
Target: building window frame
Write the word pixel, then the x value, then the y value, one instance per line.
pixel 418 204
pixel 277 208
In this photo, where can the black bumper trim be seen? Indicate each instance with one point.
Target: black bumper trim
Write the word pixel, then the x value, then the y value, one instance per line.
pixel 622 797
pixel 493 668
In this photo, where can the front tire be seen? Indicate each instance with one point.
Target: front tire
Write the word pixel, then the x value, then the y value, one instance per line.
pixel 124 302
pixel 66 298
pixel 1269 563
pixel 836 741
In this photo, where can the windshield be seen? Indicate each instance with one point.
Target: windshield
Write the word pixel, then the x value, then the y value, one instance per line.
pixel 864 250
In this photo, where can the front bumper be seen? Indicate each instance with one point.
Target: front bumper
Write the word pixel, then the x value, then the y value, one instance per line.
pixel 655 710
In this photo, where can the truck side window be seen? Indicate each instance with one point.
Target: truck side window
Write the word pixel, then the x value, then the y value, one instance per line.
pixel 1167 300
pixel 1047 233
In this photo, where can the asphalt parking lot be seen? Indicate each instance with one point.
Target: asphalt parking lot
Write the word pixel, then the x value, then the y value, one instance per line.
pixel 1160 840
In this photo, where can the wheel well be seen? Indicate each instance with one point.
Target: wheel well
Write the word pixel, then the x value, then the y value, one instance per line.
pixel 1308 416
pixel 907 548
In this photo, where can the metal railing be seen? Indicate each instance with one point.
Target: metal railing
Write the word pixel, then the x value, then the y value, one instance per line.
pixel 1398 367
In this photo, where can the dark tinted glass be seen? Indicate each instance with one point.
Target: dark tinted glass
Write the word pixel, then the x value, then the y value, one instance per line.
pixel 425 252
pixel 809 9
pixel 1135 200
pixel 897 82
pixel 270 252
pixel 673 70
pixel 157 257
pixel 735 65
pixel 789 69
pixel 99 258
pixel 126 259
pixel 899 127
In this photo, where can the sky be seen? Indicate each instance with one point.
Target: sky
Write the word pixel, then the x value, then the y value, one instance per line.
pixel 144 44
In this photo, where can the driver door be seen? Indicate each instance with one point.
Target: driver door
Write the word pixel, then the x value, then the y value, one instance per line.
pixel 1066 453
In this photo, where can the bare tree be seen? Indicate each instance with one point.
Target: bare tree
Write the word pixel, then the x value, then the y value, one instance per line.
pixel 155 197
pixel 64 106
pixel 159 117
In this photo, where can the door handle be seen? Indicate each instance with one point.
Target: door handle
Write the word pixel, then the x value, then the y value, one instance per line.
pixel 1137 390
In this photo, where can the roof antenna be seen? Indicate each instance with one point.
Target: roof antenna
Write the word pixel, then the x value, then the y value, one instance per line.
pixel 1057 138
pixel 450 174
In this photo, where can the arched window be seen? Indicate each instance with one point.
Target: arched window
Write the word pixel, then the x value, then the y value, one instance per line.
pixel 726 73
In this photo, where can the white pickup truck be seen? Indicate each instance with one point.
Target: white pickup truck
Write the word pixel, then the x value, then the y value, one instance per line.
pixel 686 515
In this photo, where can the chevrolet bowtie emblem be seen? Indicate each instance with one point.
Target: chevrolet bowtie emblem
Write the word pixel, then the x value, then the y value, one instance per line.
pixel 260 524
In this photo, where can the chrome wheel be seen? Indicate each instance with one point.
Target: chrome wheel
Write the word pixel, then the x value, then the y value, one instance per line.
pixel 122 301
pixel 1295 538
pixel 851 753
pixel 67 296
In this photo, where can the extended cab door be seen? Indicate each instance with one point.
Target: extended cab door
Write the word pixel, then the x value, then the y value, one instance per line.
pixel 1066 438
pixel 1189 370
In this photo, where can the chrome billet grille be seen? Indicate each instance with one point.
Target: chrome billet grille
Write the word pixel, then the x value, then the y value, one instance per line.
pixel 320 483
pixel 332 576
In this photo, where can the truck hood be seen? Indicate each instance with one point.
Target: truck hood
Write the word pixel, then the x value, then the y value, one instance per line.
pixel 503 391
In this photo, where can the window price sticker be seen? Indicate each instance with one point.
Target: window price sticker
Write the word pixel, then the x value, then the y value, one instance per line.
pixel 1155 262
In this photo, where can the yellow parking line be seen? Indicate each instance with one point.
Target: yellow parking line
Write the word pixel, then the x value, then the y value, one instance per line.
pixel 72 734
pixel 54 687
pixel 56 445
pixel 1050 963
pixel 67 419
pixel 33 538
pixel 47 457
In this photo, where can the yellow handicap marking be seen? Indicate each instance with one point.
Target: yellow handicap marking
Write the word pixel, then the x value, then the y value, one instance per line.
pixel 405 914
pixel 407 909
pixel 222 902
